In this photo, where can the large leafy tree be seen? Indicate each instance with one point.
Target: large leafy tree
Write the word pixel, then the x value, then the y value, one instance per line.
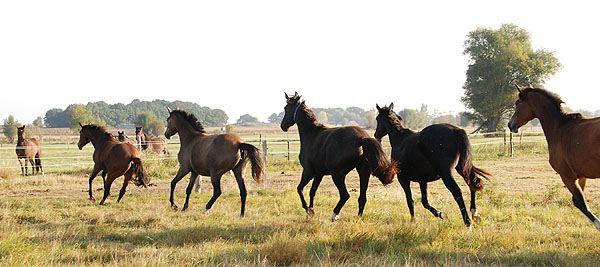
pixel 10 128
pixel 499 58
pixel 150 123
pixel 78 113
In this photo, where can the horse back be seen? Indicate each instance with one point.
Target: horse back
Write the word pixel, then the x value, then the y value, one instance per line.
pixel 217 153
pixel 334 146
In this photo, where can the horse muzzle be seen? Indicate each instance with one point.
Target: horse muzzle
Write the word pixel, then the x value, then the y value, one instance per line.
pixel 512 125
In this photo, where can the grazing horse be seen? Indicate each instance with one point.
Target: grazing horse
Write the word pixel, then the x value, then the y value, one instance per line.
pixel 28 149
pixel 113 158
pixel 149 144
pixel 429 155
pixel 124 138
pixel 210 155
pixel 334 151
pixel 573 140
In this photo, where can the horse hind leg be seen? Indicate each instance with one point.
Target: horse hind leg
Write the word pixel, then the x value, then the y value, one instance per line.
pixel 425 202
pixel 450 183
pixel 579 200
pixel 216 183
pixel 128 176
pixel 188 191
pixel 237 172
pixel 109 180
pixel 339 182
pixel 363 173
pixel 473 208
pixel 38 162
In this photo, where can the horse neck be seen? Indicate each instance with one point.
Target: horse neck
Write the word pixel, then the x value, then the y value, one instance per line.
pixel 98 139
pixel 397 132
pixel 550 118
pixel 187 132
pixel 307 126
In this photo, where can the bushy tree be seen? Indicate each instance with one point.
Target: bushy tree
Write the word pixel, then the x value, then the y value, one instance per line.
pixel 498 58
pixel 413 119
pixel 10 128
pixel 78 113
pixel 56 118
pixel 322 117
pixel 247 119
pixel 38 122
pixel 151 124
pixel 276 118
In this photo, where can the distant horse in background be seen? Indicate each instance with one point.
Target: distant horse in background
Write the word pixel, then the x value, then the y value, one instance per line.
pixel 124 138
pixel 149 144
pixel 209 155
pixel 28 149
pixel 334 151
pixel 573 140
pixel 113 158
pixel 429 155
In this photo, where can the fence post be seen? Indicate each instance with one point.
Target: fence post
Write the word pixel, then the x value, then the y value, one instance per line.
pixel 511 148
pixel 264 149
pixel 288 151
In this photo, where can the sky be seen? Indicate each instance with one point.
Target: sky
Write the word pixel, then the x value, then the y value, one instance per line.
pixel 241 56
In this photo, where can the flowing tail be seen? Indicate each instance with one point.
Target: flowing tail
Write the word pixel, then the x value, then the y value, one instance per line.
pixel 465 163
pixel 378 163
pixel 140 173
pixel 251 152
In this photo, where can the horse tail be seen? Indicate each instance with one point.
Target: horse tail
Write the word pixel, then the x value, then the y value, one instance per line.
pixel 378 163
pixel 249 151
pixel 140 173
pixel 465 163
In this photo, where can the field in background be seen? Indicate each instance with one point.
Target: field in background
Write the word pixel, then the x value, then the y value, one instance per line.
pixel 528 217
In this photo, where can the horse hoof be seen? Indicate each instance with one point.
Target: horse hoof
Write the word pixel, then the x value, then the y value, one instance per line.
pixel 443 215
pixel 470 227
pixel 310 212
pixel 174 207
pixel 184 208
pixel 205 211
pixel 412 220
pixel 334 217
pixel 477 218
pixel 92 199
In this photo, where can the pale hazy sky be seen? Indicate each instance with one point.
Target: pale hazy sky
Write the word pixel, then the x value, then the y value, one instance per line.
pixel 240 56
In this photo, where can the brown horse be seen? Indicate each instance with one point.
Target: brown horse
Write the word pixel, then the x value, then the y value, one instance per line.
pixel 113 158
pixel 28 149
pixel 334 151
pixel 124 138
pixel 572 140
pixel 149 144
pixel 429 155
pixel 209 155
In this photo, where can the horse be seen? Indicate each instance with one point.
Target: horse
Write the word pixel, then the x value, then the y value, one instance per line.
pixel 572 140
pixel 30 150
pixel 149 144
pixel 429 155
pixel 124 138
pixel 113 158
pixel 334 151
pixel 209 155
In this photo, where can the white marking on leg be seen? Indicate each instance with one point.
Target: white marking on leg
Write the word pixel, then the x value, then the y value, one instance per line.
pixel 334 217
pixel 475 216
pixel 205 211
pixel 596 222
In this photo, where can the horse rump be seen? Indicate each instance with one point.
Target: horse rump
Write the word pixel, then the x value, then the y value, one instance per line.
pixel 378 163
pixel 249 151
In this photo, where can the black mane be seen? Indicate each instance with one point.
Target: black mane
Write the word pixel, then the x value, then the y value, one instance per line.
pixel 556 101
pixel 98 128
pixel 310 115
pixel 189 117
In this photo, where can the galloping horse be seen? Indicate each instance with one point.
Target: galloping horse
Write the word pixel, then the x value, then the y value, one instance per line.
pixel 429 155
pixel 113 158
pixel 28 149
pixel 124 138
pixel 334 151
pixel 149 144
pixel 209 155
pixel 573 140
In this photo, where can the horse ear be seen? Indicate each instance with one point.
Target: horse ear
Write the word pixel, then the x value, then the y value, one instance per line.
pixel 518 87
pixel 530 86
pixel 377 106
pixel 169 109
pixel 391 105
pixel 296 95
pixel 80 124
pixel 286 96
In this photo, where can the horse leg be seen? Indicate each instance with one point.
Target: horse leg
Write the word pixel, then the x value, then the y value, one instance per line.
pixel 473 208
pixel 579 200
pixel 310 212
pixel 237 172
pixel 38 161
pixel 26 162
pixel 95 172
pixel 405 183
pixel 582 183
pixel 450 183
pixel 128 176
pixel 32 162
pixel 306 176
pixel 339 182
pixel 364 173
pixel 425 202
pixel 215 179
pixel 180 174
pixel 188 191
pixel 111 177
pixel 22 169
pixel 103 176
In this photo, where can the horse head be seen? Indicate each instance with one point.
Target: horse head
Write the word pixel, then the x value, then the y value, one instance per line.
pixel 293 103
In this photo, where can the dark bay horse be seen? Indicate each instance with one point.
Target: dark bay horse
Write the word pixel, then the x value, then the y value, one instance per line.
pixel 28 149
pixel 334 151
pixel 149 144
pixel 124 138
pixel 113 158
pixel 573 140
pixel 209 155
pixel 429 155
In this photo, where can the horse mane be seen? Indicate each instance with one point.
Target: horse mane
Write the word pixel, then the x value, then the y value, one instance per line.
pixel 310 115
pixel 190 118
pixel 556 101
pixel 98 128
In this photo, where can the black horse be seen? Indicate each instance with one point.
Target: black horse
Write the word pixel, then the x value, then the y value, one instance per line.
pixel 429 155
pixel 334 151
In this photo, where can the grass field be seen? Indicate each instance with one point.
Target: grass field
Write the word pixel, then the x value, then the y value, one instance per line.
pixel 528 219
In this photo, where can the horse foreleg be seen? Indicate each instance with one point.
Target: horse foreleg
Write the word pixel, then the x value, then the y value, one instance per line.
pixel 180 174
pixel 21 163
pixel 95 172
pixel 405 183
pixel 306 176
pixel 450 183
pixel 339 181
pixel 425 202
pixel 188 191
pixel 215 179
pixel 313 191
pixel 26 162
pixel 579 199
pixel 473 208
pixel 237 172
pixel 364 173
